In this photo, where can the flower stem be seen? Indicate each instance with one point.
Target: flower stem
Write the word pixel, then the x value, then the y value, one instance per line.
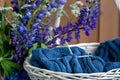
pixel 58 17
pixel 63 33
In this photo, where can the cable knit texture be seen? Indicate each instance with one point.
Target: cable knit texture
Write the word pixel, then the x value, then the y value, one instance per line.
pixel 59 59
pixel 109 51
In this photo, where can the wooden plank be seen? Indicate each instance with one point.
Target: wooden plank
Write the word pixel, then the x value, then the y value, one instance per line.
pixel 1 2
pixel 109 21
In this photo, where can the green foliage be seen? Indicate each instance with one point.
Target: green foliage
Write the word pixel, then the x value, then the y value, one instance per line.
pixel 35 45
pixel 6 63
pixel 43 45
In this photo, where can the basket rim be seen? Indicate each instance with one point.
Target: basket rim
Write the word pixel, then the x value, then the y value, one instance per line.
pixel 101 75
pixel 26 62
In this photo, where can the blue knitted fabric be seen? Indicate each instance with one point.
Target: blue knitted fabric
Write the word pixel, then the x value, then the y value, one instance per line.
pixel 60 59
pixel 111 65
pixel 109 51
pixel 91 64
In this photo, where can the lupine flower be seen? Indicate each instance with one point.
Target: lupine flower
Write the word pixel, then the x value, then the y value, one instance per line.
pixel 87 20
pixel 21 29
pixel 32 6
pixel 38 2
pixel 54 4
pixel 14 1
pixel 62 40
pixel 62 1
pixel 69 37
pixel 34 26
pixel 77 34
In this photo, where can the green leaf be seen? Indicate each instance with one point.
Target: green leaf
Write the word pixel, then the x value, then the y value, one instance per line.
pixel 1 59
pixel 1 42
pixel 12 64
pixel 3 22
pixel 0 55
pixel 7 66
pixel 43 45
pixel 1 70
pixel 4 68
pixel 6 12
pixel 35 45
pixel 47 1
pixel 1 50
pixel 7 54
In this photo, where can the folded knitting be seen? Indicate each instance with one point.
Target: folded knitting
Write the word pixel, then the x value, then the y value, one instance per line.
pixel 91 64
pixel 60 59
pixel 56 59
pixel 109 50
pixel 111 65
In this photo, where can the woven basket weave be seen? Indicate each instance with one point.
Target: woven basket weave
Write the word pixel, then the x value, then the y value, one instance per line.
pixel 43 74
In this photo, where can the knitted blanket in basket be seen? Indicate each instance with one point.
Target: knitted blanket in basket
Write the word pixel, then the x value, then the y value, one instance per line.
pixel 60 59
pixel 109 51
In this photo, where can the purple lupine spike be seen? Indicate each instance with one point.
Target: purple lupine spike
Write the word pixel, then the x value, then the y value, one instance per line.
pixel 32 6
pixel 29 44
pixel 28 15
pixel 62 41
pixel 69 37
pixel 54 4
pixel 22 29
pixel 77 34
pixel 88 32
pixel 36 25
pixel 62 2
pixel 49 8
pixel 14 1
pixel 38 2
pixel 38 30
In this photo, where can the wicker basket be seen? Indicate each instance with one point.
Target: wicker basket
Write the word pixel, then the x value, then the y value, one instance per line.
pixel 43 74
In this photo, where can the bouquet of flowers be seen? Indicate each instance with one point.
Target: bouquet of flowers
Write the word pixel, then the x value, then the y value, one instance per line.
pixel 30 27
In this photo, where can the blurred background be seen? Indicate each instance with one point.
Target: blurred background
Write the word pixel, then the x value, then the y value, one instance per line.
pixel 108 26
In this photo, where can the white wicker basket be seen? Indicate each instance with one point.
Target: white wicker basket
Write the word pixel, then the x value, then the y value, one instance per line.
pixel 43 74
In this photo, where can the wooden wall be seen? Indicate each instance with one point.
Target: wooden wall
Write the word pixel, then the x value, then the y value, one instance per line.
pixel 109 23
pixel 1 2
